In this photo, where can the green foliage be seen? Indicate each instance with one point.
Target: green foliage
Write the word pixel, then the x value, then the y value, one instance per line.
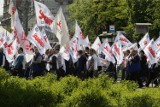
pixel 72 92
pixel 95 16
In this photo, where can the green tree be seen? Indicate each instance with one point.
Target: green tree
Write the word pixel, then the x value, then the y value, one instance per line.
pixel 95 16
pixel 140 11
pixel 156 16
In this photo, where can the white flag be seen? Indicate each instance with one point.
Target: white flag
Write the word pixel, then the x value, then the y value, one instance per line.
pixel 74 49
pixel 5 37
pixel 117 51
pixel 46 41
pixel 60 28
pixel 88 42
pixel 11 50
pixel 131 47
pixel 37 40
pixel 102 45
pixel 108 52
pixel 65 52
pixel 79 34
pixel 19 33
pixel 122 39
pixel 150 51
pixel 43 14
pixel 96 44
pixel 157 43
pixel 12 10
pixel 144 41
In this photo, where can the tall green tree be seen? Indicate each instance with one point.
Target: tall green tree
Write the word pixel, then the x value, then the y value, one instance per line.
pixel 156 19
pixel 140 11
pixel 95 16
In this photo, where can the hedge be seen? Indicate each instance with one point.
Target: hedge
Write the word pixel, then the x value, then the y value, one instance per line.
pixel 70 91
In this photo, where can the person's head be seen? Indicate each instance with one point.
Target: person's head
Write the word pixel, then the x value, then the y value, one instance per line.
pixel 142 53
pixel 51 51
pixel 134 52
pixel 87 49
pixel 57 48
pixel 20 50
pixel 80 52
pixel 47 51
pixel 127 52
pixel 1 49
pixel 36 50
pixel 92 51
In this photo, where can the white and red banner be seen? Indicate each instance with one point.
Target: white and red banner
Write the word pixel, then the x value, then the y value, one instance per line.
pixel 122 39
pixel 12 10
pixel 88 42
pixel 11 50
pixel 79 34
pixel 117 52
pixel 74 49
pixel 96 44
pixel 65 52
pixel 43 14
pixel 46 41
pixel 19 34
pixel 150 51
pixel 102 45
pixel 37 40
pixel 60 28
pixel 131 47
pixel 157 43
pixel 144 41
pixel 108 52
pixel 5 37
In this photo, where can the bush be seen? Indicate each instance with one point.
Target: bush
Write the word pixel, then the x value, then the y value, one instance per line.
pixel 70 91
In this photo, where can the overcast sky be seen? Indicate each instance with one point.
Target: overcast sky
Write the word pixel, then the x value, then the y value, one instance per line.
pixel 1 7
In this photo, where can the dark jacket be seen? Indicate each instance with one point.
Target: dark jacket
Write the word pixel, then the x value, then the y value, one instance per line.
pixel 134 64
pixel 81 64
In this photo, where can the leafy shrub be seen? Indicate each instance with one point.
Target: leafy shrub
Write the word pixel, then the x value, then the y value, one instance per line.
pixel 70 91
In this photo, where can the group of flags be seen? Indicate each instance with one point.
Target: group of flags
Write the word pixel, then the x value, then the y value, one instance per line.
pixel 10 42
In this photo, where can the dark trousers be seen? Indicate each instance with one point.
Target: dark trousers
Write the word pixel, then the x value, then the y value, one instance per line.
pixel 60 73
pixel 17 72
pixel 151 76
pixel 134 76
pixel 123 74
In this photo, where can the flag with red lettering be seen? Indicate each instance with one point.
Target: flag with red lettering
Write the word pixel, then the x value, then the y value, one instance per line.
pixel 46 41
pixel 88 42
pixel 133 46
pixel 19 34
pixel 79 34
pixel 122 39
pixel 108 52
pixel 11 50
pixel 96 44
pixel 18 31
pixel 144 41
pixel 74 49
pixel 5 37
pixel 102 45
pixel 37 40
pixel 150 51
pixel 43 14
pixel 65 52
pixel 117 52
pixel 157 43
pixel 60 28
pixel 12 10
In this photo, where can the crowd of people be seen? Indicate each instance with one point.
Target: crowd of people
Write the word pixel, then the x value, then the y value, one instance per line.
pixel 88 65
